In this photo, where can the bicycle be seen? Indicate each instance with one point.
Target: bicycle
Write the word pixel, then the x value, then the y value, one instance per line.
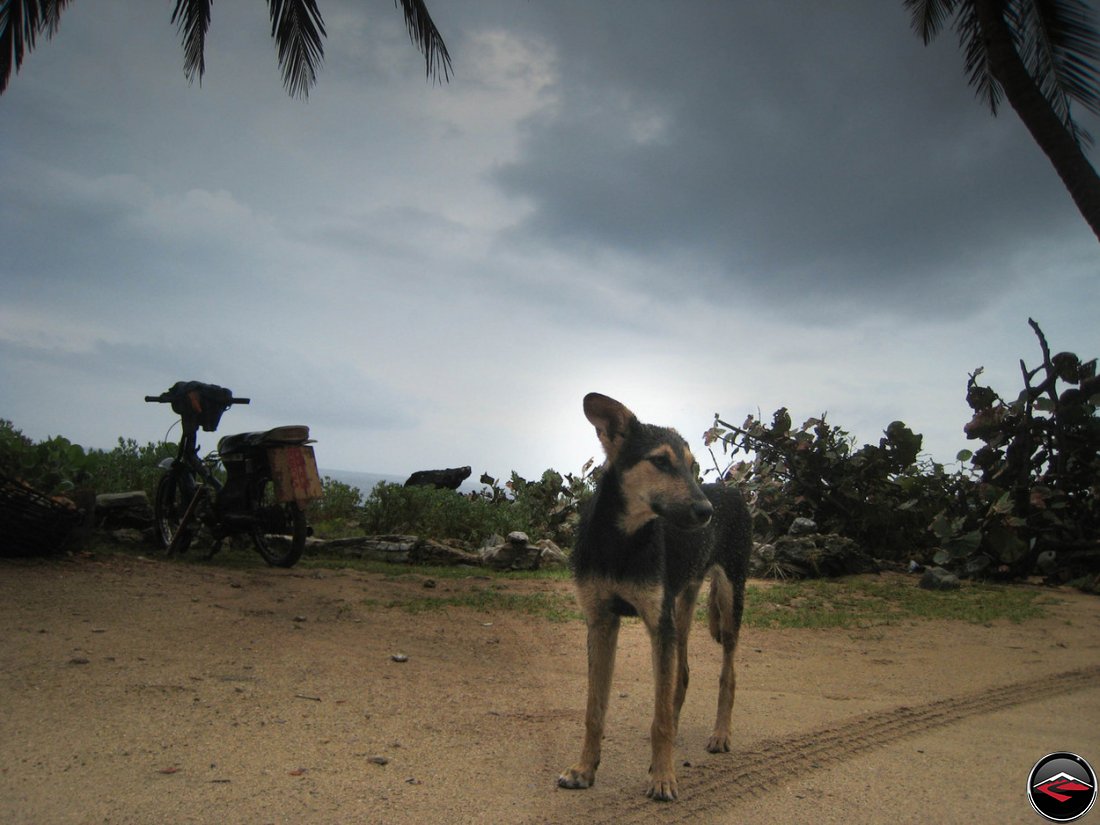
pixel 269 479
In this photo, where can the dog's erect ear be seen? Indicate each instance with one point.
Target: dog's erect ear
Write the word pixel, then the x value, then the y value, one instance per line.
pixel 611 420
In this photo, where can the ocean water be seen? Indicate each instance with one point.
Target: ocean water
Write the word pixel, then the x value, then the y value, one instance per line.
pixel 364 481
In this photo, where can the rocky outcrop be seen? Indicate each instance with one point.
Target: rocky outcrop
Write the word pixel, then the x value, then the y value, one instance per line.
pixel 517 553
pixel 449 479
pixel 393 549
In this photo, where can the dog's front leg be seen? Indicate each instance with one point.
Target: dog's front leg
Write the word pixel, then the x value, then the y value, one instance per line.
pixel 662 775
pixel 603 635
pixel 685 615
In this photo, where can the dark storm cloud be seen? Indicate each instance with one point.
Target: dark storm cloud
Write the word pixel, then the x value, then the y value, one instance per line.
pixel 821 149
pixel 724 195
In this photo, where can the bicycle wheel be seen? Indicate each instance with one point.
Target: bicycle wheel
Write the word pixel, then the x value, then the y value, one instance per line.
pixel 280 531
pixel 168 509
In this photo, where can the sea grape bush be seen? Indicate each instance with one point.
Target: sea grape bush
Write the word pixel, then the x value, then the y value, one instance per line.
pixel 882 496
pixel 57 466
pixel 1030 492
pixel 1036 474
pixel 54 466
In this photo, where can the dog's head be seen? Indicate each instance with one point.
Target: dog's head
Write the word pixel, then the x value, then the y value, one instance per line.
pixel 655 469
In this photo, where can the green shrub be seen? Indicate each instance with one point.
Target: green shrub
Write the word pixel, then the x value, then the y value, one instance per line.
pixel 337 512
pixel 437 514
pixel 129 466
pixel 1032 487
pixel 545 508
pixel 881 496
pixel 1036 477
pixel 55 465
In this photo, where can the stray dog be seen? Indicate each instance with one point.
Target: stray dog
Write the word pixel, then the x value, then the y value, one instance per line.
pixel 648 538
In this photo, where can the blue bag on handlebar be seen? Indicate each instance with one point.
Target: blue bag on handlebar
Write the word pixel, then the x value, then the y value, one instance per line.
pixel 199 404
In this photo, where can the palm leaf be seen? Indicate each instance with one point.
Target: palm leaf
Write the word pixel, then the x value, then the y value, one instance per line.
pixel 978 67
pixel 296 26
pixel 21 21
pixel 426 36
pixel 1057 41
pixel 927 16
pixel 299 31
pixel 1060 46
pixel 192 19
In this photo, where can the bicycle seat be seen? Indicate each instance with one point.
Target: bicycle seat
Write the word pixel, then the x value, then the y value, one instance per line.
pixel 293 434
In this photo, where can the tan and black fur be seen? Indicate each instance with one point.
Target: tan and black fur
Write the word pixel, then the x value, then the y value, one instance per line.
pixel 649 537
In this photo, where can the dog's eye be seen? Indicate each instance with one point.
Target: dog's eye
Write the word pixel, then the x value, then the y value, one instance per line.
pixel 661 462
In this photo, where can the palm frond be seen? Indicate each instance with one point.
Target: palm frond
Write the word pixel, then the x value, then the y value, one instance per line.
pixel 21 21
pixel 426 36
pixel 51 15
pixel 1060 45
pixel 978 67
pixel 928 16
pixel 192 19
pixel 298 30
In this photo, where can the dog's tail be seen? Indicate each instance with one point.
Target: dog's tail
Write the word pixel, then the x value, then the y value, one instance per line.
pixel 721 618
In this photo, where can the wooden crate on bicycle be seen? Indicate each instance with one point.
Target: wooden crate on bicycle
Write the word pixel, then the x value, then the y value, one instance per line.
pixel 294 471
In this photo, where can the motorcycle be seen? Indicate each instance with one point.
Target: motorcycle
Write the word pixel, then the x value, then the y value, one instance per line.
pixel 256 483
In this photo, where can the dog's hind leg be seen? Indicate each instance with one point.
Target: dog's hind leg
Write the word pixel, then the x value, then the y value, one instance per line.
pixel 603 635
pixel 725 608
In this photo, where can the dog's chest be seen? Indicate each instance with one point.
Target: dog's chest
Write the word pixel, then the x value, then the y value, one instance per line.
pixel 599 594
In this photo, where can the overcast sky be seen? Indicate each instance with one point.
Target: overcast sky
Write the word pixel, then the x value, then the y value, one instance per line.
pixel 694 207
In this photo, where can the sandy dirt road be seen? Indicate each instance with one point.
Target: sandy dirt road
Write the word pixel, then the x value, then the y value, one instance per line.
pixel 140 691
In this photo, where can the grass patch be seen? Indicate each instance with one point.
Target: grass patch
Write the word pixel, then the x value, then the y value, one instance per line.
pixel 556 607
pixel 421 571
pixel 857 603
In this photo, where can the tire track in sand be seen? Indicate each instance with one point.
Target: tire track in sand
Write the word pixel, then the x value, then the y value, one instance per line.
pixel 717 785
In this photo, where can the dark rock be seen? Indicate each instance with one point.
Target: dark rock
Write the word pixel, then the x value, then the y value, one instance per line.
pixel 426 551
pixel 551 555
pixel 394 549
pixel 449 479
pixel 802 527
pixel 810 556
pixel 511 556
pixel 517 553
pixel 128 535
pixel 118 510
pixel 936 578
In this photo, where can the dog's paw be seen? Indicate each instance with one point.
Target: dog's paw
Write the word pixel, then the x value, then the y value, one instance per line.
pixel 719 743
pixel 662 788
pixel 577 778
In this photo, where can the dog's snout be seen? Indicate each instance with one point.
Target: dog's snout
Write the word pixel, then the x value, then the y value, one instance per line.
pixel 702 510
